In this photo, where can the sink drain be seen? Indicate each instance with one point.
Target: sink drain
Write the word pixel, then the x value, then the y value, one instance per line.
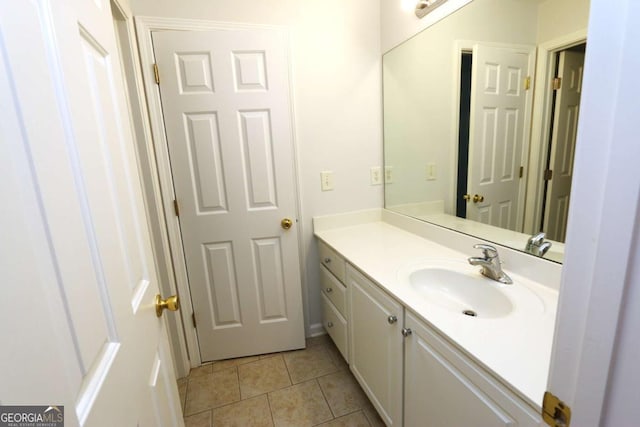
pixel 469 313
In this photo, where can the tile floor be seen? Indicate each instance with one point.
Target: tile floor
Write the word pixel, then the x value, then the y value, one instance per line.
pixel 310 387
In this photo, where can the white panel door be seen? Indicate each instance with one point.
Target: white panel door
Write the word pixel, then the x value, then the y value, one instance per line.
pixel 77 267
pixel 499 134
pixel 225 101
pixel 563 144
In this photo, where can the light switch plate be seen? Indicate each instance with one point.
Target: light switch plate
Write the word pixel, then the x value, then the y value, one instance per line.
pixel 388 174
pixel 326 180
pixel 376 175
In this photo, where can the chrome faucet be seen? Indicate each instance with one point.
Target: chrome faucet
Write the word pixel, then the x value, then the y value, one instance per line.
pixel 490 263
pixel 536 245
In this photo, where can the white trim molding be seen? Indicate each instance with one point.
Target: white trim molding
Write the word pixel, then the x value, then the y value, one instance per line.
pixel 145 152
pixel 541 124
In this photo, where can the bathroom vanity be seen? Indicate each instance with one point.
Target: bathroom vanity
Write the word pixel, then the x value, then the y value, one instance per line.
pixel 430 340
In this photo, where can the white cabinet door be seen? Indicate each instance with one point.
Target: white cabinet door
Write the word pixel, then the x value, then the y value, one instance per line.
pixel 375 323
pixel 443 389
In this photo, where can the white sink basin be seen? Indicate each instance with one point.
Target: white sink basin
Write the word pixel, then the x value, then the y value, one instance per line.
pixel 462 290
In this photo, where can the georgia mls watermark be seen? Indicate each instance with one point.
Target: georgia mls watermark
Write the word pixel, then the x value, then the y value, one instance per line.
pixel 31 416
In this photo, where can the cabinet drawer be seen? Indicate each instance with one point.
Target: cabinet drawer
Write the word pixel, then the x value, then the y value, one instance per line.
pixel 336 326
pixel 334 290
pixel 330 259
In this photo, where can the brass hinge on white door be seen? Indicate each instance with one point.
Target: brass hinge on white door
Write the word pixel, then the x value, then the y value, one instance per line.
pixel 555 412
pixel 557 83
pixel 156 73
pixel 548 174
pixel 193 319
pixel 176 208
pixel 527 83
pixel 521 171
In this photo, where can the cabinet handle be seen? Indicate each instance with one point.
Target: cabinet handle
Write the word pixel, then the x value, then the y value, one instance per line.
pixel 392 319
pixel 327 260
pixel 328 290
pixel 406 332
pixel 329 324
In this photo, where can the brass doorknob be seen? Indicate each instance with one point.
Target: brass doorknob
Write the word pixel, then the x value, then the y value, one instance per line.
pixel 172 304
pixel 286 223
pixel 467 197
pixel 477 198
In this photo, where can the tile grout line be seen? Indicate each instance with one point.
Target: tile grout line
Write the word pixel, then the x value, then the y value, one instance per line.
pixel 287 368
pixel 239 388
pixel 273 421
pixel 325 399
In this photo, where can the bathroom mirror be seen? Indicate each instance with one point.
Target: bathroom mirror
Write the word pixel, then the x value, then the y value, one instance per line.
pixel 480 119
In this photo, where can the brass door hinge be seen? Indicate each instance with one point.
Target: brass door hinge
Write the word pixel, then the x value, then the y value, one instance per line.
pixel 176 208
pixel 156 73
pixel 557 83
pixel 548 174
pixel 193 319
pixel 555 412
pixel 527 83
pixel 521 171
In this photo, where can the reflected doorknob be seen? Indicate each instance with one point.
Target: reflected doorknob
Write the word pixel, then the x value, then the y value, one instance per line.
pixel 286 223
pixel 172 304
pixel 476 198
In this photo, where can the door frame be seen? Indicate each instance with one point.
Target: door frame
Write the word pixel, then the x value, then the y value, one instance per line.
pixel 541 124
pixel 602 232
pixel 460 47
pixel 134 95
pixel 176 259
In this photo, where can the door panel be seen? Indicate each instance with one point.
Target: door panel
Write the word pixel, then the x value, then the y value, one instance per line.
pixel 206 162
pixel 226 110
pixel 82 171
pixel 223 292
pixel 257 149
pixel 498 134
pixel 267 266
pixel 563 142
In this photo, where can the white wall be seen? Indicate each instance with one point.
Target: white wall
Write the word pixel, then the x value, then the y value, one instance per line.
pixel 336 94
pixel 557 18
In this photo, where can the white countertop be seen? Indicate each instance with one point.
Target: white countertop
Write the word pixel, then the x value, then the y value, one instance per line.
pixel 516 347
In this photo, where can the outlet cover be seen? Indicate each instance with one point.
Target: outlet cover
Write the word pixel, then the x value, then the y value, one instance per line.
pixel 388 174
pixel 376 175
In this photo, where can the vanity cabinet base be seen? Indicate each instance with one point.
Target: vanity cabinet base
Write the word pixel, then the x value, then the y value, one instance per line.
pixel 442 388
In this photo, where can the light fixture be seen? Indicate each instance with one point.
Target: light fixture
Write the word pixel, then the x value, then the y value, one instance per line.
pixel 425 6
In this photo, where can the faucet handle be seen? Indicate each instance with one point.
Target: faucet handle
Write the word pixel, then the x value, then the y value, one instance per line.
pixel 487 250
pixel 537 239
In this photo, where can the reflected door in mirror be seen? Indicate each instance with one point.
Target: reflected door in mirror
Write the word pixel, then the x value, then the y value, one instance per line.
pixel 498 134
pixel 563 141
